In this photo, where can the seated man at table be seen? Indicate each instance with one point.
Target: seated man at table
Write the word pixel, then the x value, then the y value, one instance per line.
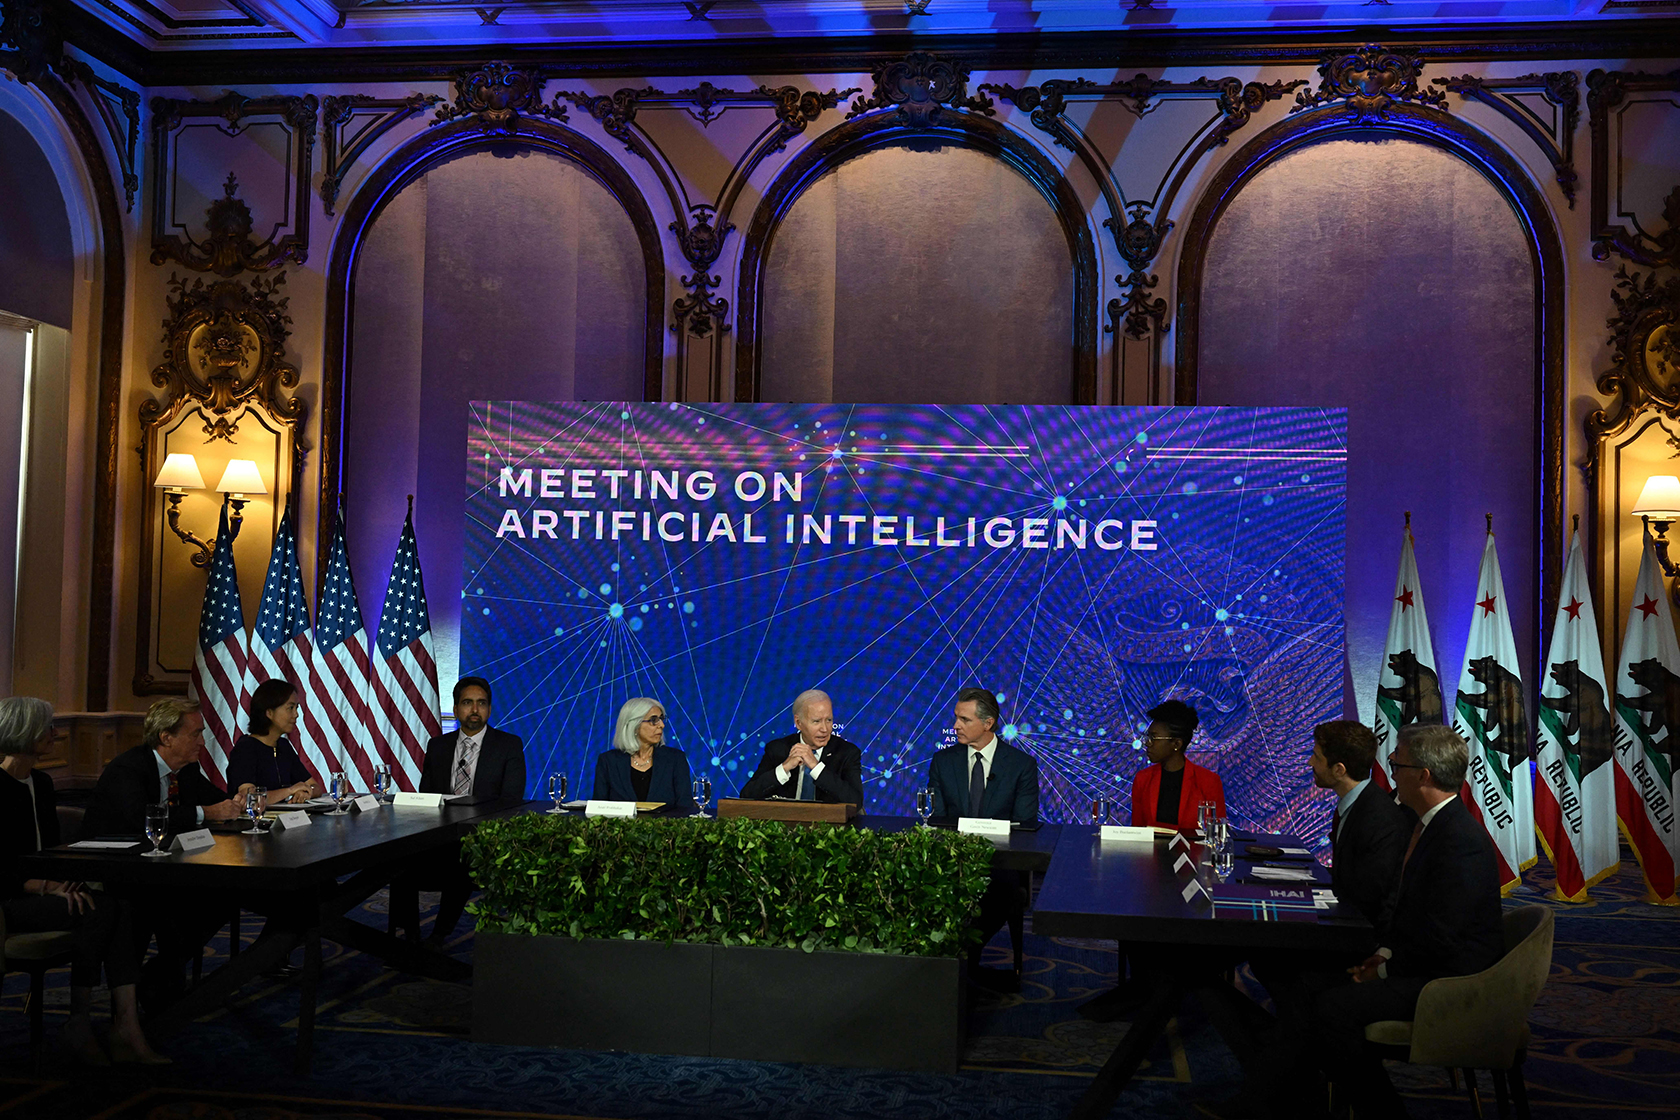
pixel 982 776
pixel 1368 831
pixel 163 768
pixel 1444 919
pixel 1167 792
pixel 812 764
pixel 476 761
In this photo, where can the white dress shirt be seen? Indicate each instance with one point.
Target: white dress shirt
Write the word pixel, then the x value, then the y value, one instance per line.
pixel 1344 803
pixel 782 776
pixel 468 747
pixel 986 752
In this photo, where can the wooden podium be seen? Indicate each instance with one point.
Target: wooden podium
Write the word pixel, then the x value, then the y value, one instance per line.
pixel 793 812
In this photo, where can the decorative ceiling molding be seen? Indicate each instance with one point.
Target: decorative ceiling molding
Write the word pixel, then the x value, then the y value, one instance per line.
pixel 229 247
pixel 919 87
pixel 1607 91
pixel 1370 81
pixel 496 95
pixel 344 148
pixel 1561 89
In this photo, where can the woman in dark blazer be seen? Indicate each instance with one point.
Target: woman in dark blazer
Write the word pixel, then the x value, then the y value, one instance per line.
pixel 264 757
pixel 640 767
pixel 99 925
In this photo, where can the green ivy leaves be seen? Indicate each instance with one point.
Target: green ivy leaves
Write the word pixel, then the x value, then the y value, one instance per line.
pixel 733 882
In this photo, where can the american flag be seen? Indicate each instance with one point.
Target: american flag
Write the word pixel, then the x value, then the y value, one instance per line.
pixel 282 649
pixel 405 690
pixel 342 680
pixel 219 664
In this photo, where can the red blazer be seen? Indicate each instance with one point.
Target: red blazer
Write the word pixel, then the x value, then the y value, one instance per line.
pixel 1200 784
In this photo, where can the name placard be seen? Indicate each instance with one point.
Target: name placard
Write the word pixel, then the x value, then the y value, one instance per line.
pixel 1127 834
pixel 288 821
pixel 1181 862
pixel 982 826
pixel 593 808
pixel 365 802
pixel 1178 841
pixel 1194 888
pixel 406 800
pixel 195 841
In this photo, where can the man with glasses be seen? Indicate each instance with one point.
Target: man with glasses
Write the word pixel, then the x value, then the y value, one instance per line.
pixel 477 762
pixel 812 764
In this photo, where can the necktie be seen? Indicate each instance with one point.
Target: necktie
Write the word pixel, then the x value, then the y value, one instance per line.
pixel 1335 824
pixel 463 773
pixel 807 786
pixel 976 785
pixel 1417 831
pixel 174 796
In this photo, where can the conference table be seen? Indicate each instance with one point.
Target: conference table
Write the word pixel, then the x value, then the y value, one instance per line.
pixel 1132 892
pixel 306 879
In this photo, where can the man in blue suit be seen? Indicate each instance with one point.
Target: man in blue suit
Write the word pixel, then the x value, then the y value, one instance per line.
pixel 982 776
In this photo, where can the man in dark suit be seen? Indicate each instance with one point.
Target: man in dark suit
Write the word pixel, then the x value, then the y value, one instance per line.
pixel 1443 919
pixel 812 764
pixel 475 761
pixel 1368 831
pixel 163 769
pixel 982 776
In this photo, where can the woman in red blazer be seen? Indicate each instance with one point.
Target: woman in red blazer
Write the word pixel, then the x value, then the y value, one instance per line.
pixel 1168 792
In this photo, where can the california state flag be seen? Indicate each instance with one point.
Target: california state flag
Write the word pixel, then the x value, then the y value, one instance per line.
pixel 1408 688
pixel 1648 718
pixel 1574 788
pixel 1493 722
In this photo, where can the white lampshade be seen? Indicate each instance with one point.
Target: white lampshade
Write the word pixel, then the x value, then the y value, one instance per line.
pixel 241 477
pixel 1660 500
pixel 181 471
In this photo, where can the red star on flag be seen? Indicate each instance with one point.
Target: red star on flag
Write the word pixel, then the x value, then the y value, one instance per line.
pixel 1404 598
pixel 1648 608
pixel 1573 610
pixel 1487 604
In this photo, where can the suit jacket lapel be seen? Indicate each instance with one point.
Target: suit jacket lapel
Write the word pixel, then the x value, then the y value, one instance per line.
pixel 996 782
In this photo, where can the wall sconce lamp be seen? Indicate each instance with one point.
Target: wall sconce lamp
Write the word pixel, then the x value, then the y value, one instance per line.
pixel 1659 505
pixel 180 474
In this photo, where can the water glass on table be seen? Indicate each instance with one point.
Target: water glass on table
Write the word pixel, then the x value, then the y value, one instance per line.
pixel 1101 807
pixel 340 793
pixel 382 783
pixel 557 791
pixel 702 794
pixel 256 802
pixel 1206 811
pixel 157 827
pixel 1223 850
pixel 924 804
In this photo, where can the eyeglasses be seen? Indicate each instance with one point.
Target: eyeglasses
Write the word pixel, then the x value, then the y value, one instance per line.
pixel 654 719
pixel 1161 738
pixel 1393 765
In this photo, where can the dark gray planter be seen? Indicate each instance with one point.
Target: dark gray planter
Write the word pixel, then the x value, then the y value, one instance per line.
pixel 767 1005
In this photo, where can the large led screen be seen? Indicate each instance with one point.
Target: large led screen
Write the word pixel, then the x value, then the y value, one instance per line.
pixel 1083 563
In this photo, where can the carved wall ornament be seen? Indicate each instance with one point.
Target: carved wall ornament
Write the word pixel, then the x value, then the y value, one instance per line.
pixel 1606 92
pixel 230 247
pixel 224 349
pixel 1372 80
pixel 339 112
pixel 1644 357
pixel 498 94
pixel 920 86
pixel 1143 316
pixel 1556 138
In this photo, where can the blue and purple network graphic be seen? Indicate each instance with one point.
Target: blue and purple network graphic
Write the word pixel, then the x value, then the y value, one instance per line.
pixel 1083 563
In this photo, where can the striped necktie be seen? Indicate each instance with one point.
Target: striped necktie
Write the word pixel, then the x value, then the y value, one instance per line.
pixel 463 768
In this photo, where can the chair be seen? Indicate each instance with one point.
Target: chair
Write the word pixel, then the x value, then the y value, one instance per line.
pixel 1480 1021
pixel 36 954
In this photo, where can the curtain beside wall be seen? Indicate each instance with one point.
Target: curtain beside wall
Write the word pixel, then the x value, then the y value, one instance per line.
pixel 489 278
pixel 1391 279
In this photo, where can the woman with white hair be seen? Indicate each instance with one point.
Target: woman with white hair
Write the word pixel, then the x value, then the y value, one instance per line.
pixel 640 767
pixel 99 925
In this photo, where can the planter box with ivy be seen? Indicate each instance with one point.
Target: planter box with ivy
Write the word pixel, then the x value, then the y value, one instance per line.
pixel 739 938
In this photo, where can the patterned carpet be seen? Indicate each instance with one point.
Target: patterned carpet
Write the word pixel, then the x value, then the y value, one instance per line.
pixel 390 1047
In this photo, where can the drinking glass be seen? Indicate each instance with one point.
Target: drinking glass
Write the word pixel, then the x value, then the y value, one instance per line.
pixel 256 800
pixel 557 791
pixel 702 794
pixel 1223 854
pixel 924 804
pixel 382 783
pixel 157 827
pixel 1100 808
pixel 1205 812
pixel 340 793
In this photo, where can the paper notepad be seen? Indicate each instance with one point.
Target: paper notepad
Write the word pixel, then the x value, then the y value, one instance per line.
pixel 84 845
pixel 1282 874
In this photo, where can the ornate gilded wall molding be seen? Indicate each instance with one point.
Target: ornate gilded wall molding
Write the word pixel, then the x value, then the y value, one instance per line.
pixel 920 86
pixel 1607 91
pixel 1139 226
pixel 1371 81
pixel 1644 358
pixel 497 95
pixel 1560 89
pixel 376 116
pixel 224 349
pixel 230 247
pixel 701 228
